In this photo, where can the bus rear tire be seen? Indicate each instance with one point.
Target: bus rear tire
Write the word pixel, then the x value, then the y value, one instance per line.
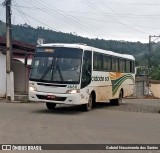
pixel 51 106
pixel 88 106
pixel 118 101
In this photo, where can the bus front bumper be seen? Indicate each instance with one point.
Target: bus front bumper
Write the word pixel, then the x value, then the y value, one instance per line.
pixel 71 99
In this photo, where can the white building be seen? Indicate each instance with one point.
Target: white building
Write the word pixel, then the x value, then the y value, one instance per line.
pixel 21 73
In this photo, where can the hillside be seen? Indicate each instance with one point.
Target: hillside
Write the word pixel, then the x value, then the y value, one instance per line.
pixel 2 28
pixel 29 34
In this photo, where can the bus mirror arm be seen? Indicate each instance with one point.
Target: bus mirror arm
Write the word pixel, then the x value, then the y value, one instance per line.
pixel 26 59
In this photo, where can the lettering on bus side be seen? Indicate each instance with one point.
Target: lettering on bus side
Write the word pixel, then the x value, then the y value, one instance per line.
pixel 100 78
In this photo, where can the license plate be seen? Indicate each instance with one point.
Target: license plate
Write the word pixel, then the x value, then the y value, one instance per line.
pixel 51 97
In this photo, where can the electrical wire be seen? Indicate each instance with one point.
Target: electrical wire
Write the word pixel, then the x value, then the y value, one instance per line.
pixel 99 10
pixel 21 14
pixel 59 16
pixel 38 21
pixel 116 3
pixel 98 14
pixel 73 22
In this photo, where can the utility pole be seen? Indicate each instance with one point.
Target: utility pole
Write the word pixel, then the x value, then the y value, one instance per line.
pixel 8 36
pixel 149 59
pixel 9 73
pixel 149 56
pixel 149 66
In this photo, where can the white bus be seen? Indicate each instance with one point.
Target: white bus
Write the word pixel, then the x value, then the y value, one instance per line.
pixel 77 74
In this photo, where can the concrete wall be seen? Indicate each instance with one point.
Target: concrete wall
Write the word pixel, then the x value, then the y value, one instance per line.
pixel 140 87
pixel 20 77
pixel 155 88
pixel 2 75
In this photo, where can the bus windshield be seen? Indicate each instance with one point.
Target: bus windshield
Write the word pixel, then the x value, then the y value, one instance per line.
pixel 57 65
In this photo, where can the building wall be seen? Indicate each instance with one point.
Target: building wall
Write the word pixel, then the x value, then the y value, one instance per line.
pixel 155 88
pixel 2 75
pixel 140 87
pixel 20 77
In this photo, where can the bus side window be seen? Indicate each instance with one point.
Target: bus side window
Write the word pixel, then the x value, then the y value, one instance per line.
pixel 98 61
pixel 132 66
pixel 129 66
pixel 107 63
pixel 115 64
pixel 122 65
pixel 86 69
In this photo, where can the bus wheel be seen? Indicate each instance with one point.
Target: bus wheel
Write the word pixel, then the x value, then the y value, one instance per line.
pixel 51 106
pixel 118 101
pixel 88 106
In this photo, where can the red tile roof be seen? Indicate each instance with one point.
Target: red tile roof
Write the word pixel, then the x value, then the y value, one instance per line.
pixel 17 46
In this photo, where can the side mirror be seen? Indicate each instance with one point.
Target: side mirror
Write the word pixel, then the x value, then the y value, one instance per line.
pixel 26 59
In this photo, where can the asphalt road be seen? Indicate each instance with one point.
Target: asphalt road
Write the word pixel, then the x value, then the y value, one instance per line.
pixel 32 123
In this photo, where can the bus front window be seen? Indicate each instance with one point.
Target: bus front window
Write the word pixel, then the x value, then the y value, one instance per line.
pixel 61 66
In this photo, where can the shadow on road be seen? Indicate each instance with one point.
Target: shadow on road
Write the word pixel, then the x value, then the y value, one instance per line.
pixel 62 109
pixel 70 110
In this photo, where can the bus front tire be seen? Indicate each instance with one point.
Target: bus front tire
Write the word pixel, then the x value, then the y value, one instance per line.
pixel 118 101
pixel 51 106
pixel 88 106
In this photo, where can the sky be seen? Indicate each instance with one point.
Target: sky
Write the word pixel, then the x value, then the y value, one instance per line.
pixel 128 20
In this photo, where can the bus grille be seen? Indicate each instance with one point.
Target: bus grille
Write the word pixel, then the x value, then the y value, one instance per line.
pixel 45 97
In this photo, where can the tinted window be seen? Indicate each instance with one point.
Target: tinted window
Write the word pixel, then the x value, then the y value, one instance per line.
pixel 122 65
pixel 98 61
pixel 115 64
pixel 129 66
pixel 57 65
pixel 86 69
pixel 107 63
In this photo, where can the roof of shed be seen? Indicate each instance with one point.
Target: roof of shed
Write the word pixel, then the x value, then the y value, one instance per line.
pixel 18 47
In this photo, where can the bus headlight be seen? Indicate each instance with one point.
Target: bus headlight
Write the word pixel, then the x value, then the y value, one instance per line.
pixel 31 88
pixel 73 91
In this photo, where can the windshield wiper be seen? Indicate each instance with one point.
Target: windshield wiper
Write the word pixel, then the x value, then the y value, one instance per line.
pixel 60 73
pixel 54 68
pixel 46 72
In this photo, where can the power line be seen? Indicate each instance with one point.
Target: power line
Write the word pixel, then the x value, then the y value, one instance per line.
pixel 21 14
pixel 129 3
pixel 99 10
pixel 44 8
pixel 120 16
pixel 116 3
pixel 37 20
pixel 74 20
pixel 95 19
pixel 80 24
pixel 89 29
pixel 99 14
